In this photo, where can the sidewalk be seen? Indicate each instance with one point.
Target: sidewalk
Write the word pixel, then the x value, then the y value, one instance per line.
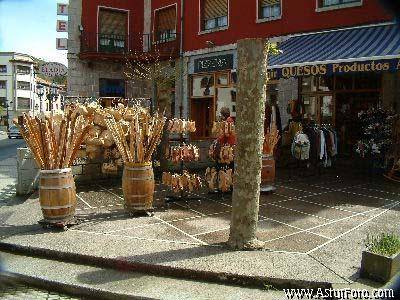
pixel 314 229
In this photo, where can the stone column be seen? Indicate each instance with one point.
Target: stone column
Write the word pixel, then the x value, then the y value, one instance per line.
pixel 250 114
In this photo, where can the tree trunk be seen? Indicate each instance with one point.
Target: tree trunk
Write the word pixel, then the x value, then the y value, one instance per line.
pixel 250 113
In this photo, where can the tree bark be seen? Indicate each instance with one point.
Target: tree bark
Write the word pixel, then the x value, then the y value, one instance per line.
pixel 250 114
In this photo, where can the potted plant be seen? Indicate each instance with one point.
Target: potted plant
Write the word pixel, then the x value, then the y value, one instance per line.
pixel 381 259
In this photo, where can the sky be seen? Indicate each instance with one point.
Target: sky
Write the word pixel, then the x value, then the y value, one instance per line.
pixel 29 26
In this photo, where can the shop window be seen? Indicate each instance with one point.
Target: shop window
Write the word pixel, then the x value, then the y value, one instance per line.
pixel 325 83
pixel 112 87
pixel 203 86
pixel 23 70
pixel 24 85
pixel 367 81
pixel 309 84
pixel 23 103
pixel 112 30
pixel 3 69
pixel 226 97
pixel 332 3
pixel 165 24
pixel 2 84
pixel 344 82
pixel 269 9
pixel 214 14
pixel 310 107
pixel 222 79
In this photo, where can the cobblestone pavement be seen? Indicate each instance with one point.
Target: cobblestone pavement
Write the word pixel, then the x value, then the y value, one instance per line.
pixel 20 291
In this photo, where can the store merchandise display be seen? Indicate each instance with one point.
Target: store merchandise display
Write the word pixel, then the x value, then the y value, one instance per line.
pixel 184 152
pixel 182 182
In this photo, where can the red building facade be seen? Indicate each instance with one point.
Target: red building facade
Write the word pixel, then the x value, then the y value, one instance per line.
pixel 203 33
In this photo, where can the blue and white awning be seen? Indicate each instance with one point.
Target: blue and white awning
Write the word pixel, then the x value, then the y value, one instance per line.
pixel 377 46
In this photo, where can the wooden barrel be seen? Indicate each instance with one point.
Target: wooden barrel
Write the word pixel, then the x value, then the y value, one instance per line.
pixel 268 170
pixel 57 194
pixel 138 186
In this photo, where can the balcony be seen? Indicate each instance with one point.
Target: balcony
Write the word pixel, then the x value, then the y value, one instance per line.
pixel 95 46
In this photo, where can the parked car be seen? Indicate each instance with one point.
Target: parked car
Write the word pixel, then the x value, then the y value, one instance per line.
pixel 13 132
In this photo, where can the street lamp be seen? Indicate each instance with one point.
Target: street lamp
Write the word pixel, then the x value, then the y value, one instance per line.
pixel 40 93
pixel 52 95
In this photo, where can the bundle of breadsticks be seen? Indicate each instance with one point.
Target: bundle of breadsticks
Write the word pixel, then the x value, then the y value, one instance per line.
pixel 54 139
pixel 270 141
pixel 143 134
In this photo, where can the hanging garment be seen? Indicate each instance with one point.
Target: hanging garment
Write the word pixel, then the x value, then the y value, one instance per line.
pixel 301 147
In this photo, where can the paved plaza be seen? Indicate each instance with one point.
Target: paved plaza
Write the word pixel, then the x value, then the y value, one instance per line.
pixel 314 228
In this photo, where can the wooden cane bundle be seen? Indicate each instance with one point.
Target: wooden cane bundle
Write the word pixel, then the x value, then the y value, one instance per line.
pixel 139 142
pixel 271 139
pixel 54 139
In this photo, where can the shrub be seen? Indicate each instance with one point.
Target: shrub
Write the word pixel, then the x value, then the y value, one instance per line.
pixel 385 244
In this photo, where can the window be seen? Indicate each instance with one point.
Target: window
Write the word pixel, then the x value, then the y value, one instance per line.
pixel 214 14
pixel 269 9
pixel 3 69
pixel 23 103
pixel 23 70
pixel 112 87
pixel 3 84
pixel 165 24
pixel 112 30
pixel 330 3
pixel 24 85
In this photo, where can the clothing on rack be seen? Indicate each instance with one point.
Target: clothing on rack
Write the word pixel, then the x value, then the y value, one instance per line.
pixel 322 144
pixel 301 146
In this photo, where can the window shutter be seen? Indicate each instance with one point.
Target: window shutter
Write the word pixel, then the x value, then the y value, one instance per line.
pixel 166 19
pixel 215 8
pixel 112 22
pixel 269 2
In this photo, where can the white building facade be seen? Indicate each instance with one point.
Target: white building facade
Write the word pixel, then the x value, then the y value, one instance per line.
pixel 17 85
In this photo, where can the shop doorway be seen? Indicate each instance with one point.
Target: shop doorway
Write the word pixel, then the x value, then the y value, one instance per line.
pixel 201 111
pixel 348 106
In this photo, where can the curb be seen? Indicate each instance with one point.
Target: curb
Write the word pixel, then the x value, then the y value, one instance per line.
pixel 166 271
pixel 64 288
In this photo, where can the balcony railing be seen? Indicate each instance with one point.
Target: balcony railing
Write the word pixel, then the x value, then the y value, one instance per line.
pixel 96 45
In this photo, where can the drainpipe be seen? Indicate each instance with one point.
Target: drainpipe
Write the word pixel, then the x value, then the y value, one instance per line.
pixel 181 55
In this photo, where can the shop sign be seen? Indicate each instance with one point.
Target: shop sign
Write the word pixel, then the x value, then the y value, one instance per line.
pixel 61 44
pixel 384 65
pixel 62 9
pixel 53 69
pixel 215 63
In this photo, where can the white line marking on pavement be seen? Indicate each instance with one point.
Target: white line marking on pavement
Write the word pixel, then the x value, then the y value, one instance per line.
pixel 80 198
pixel 354 228
pixel 181 231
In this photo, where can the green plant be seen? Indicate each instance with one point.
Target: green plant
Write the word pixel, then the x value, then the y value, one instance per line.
pixel 385 244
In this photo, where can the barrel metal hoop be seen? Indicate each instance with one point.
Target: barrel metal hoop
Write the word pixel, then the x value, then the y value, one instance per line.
pixel 56 171
pixel 138 169
pixel 139 179
pixel 56 176
pixel 56 207
pixel 137 196
pixel 62 187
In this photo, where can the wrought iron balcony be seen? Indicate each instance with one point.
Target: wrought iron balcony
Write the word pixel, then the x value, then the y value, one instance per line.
pixel 102 46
